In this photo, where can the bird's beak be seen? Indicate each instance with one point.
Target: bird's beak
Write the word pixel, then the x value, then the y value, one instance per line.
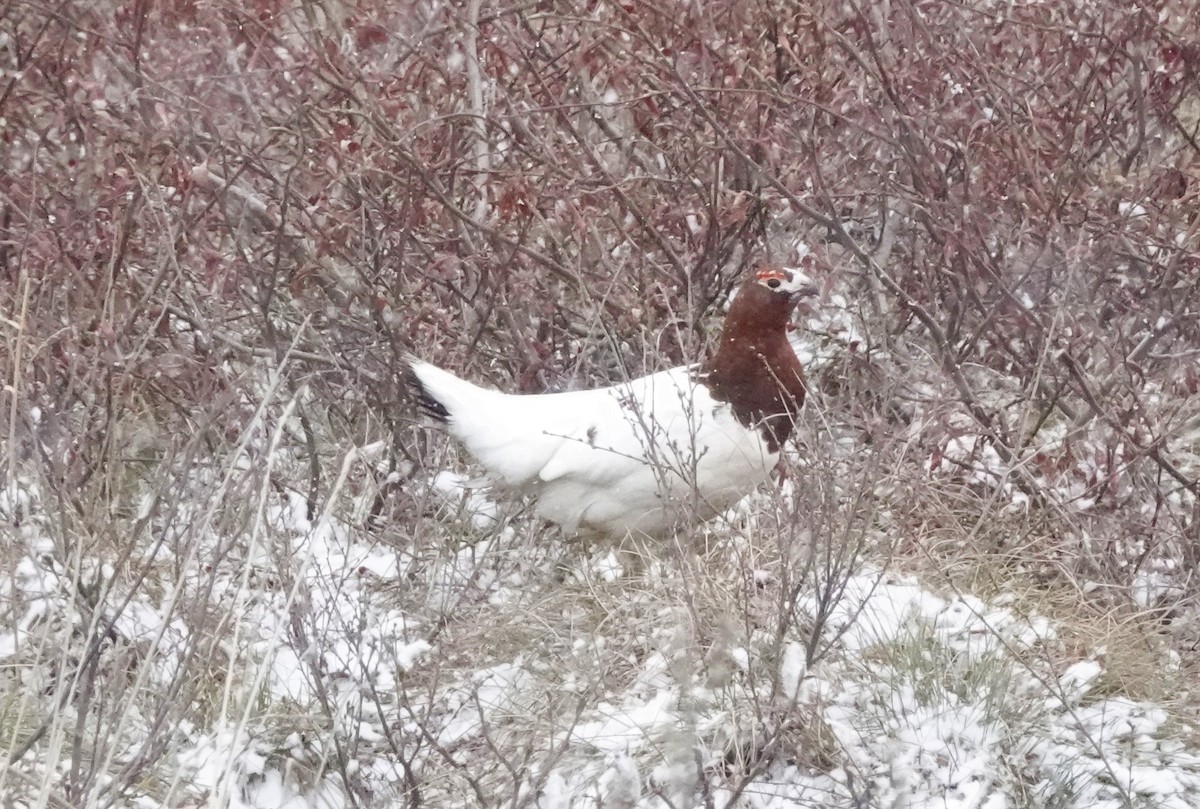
pixel 806 291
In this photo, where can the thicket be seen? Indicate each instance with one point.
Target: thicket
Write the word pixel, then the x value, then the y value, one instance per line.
pixel 224 225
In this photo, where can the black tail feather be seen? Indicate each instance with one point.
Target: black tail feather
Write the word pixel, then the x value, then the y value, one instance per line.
pixel 425 401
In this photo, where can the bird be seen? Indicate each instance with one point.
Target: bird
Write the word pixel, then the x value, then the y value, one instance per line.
pixel 645 455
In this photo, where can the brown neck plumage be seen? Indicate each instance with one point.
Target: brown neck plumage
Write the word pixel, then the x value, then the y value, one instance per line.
pixel 755 370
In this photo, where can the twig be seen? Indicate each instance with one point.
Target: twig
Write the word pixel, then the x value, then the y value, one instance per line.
pixel 478 116
pixel 1151 450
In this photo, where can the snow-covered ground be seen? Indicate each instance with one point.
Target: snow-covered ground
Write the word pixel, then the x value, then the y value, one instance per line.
pixel 354 673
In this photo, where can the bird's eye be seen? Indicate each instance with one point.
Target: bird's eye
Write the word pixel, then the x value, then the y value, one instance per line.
pixel 774 283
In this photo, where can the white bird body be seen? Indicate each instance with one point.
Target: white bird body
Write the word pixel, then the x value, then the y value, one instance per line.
pixel 613 460
pixel 641 455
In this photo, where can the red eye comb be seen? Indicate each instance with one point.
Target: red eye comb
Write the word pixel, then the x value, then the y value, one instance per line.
pixel 767 275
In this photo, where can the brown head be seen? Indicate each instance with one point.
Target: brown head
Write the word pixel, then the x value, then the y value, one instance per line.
pixel 755 369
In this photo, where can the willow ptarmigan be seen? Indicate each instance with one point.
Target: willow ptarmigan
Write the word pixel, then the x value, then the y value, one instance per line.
pixel 637 456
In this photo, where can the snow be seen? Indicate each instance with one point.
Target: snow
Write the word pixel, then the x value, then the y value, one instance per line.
pixel 791 672
pixel 1155 584
pixel 884 692
pixel 236 770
